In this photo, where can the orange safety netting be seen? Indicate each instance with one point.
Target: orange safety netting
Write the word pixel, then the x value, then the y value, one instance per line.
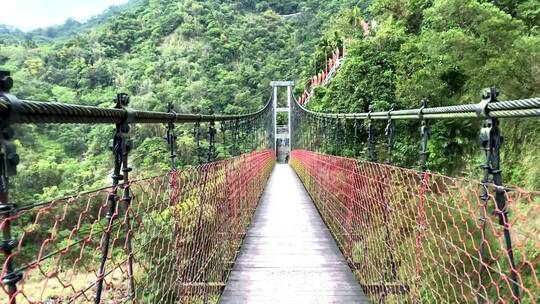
pixel 423 237
pixel 176 241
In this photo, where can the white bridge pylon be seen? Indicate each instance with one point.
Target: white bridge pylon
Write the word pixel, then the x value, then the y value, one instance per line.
pixel 282 133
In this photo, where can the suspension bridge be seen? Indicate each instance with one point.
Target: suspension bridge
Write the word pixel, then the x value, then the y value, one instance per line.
pixel 321 228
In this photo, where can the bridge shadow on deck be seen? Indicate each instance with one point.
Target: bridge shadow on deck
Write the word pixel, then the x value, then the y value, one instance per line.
pixel 288 254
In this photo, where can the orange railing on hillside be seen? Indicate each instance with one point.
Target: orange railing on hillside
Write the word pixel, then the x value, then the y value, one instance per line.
pixel 323 77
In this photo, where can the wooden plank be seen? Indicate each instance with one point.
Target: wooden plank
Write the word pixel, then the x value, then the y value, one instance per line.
pixel 288 255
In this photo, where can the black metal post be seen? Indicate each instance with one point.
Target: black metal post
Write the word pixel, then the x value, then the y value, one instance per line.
pixel 425 132
pixel 197 135
pixel 371 138
pixel 235 146
pixel 325 134
pixel 392 272
pixel 121 146
pixel 389 132
pixel 212 141
pixel 355 138
pixel 171 138
pixel 223 128
pixel 252 133
pixel 345 134
pixel 491 142
pixel 424 184
pixel 320 135
pixel 8 167
pixel 336 137
pixel 312 128
pixel 243 135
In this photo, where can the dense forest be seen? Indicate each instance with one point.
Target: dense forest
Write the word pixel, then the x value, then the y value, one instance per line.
pixel 219 56
pixel 447 52
pixel 203 56
pixel 210 56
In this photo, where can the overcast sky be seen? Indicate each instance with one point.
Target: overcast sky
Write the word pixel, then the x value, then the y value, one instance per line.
pixel 31 14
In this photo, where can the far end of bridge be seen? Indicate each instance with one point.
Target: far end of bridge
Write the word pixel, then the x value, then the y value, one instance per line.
pixel 282 119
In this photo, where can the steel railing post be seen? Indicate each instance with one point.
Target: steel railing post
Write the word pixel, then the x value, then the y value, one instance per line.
pixel 9 159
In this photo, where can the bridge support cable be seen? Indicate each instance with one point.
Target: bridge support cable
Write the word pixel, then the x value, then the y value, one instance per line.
pixel 167 238
pixel 411 235
pixel 522 108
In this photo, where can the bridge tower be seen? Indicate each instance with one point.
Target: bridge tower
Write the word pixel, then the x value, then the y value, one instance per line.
pixel 282 131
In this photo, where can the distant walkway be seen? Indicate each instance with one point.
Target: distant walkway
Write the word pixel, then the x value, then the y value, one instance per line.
pixel 288 255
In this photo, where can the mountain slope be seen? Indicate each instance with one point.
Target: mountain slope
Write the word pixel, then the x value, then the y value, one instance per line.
pixel 203 56
pixel 446 51
pixel 69 28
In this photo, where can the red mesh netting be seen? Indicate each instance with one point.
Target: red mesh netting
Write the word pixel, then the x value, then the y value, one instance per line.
pixel 184 229
pixel 413 237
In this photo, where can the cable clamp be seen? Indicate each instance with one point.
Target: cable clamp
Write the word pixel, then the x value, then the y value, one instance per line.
pixel 489 95
pixel 8 209
pixel 12 278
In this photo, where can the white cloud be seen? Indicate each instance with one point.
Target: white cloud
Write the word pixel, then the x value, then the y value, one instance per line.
pixel 31 14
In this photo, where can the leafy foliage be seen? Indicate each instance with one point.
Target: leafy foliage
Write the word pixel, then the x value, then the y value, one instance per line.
pixel 203 56
pixel 446 51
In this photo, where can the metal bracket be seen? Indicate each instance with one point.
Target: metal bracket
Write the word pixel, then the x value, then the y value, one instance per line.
pixel 10 244
pixel 388 130
pixel 6 82
pixel 8 210
pixel 490 138
pixel 489 95
pixel 122 102
pixel 12 278
pixel 423 106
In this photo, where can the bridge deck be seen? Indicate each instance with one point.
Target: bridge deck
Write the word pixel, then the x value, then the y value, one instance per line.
pixel 288 255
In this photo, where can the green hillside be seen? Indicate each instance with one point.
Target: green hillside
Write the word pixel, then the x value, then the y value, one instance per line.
pixel 203 56
pixel 219 56
pixel 446 51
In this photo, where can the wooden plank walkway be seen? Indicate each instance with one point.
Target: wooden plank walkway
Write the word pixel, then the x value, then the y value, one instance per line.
pixel 288 255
